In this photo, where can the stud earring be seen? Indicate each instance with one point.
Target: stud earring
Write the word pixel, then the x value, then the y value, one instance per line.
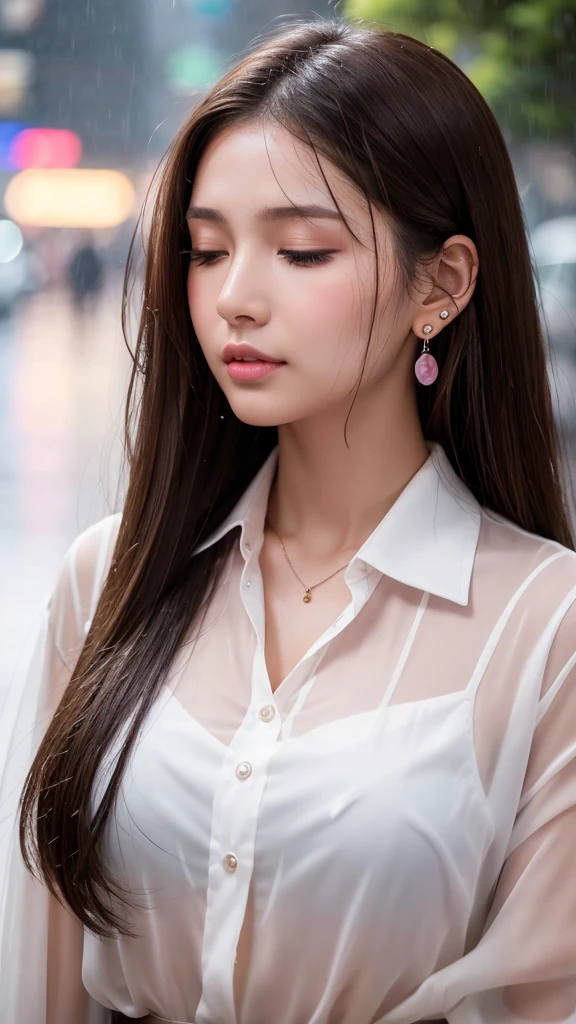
pixel 444 313
pixel 426 367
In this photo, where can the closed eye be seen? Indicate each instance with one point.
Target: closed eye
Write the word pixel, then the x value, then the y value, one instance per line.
pixel 295 257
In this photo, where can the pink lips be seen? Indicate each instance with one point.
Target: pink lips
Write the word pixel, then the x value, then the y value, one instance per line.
pixel 243 350
pixel 243 371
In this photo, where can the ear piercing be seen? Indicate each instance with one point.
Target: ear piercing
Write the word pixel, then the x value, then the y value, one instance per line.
pixel 426 367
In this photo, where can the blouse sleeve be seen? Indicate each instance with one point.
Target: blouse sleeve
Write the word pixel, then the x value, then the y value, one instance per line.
pixel 523 969
pixel 41 943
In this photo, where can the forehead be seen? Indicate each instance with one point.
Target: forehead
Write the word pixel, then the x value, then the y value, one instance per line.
pixel 247 168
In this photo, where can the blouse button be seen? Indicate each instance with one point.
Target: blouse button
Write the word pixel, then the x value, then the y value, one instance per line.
pixel 248 546
pixel 267 713
pixel 230 862
pixel 244 769
pixel 248 583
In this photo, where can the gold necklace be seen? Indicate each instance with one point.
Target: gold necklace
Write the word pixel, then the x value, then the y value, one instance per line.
pixel 307 595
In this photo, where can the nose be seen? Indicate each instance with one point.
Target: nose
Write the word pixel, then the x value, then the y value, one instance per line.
pixel 241 297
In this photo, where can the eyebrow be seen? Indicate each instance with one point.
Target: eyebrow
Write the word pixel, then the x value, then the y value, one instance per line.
pixel 268 214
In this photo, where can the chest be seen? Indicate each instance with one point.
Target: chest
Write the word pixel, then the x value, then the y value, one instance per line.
pixel 293 625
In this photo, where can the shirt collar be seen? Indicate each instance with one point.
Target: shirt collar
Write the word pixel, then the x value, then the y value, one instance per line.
pixel 427 539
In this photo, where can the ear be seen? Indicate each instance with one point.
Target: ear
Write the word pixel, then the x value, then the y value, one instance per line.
pixel 454 272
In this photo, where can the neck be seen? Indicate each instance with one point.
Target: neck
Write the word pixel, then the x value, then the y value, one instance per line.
pixel 327 498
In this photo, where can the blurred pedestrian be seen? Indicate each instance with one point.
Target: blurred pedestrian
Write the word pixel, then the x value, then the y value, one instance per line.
pixel 85 274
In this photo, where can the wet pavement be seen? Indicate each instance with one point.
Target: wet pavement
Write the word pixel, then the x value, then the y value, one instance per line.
pixel 62 386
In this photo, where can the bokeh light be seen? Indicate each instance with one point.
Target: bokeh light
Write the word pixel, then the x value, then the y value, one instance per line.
pixel 70 198
pixel 11 241
pixel 8 132
pixel 213 8
pixel 45 147
pixel 192 67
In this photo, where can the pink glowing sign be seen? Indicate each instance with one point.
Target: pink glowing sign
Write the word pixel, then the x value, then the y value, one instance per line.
pixel 45 148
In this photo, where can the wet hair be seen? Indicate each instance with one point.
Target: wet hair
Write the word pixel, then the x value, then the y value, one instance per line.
pixel 414 135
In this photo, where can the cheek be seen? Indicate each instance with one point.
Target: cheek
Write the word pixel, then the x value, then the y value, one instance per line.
pixel 337 319
pixel 323 319
pixel 324 300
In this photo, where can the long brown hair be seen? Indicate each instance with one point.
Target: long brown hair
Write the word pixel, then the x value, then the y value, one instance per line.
pixel 406 125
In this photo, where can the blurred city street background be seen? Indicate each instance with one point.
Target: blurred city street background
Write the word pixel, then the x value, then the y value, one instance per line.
pixel 91 94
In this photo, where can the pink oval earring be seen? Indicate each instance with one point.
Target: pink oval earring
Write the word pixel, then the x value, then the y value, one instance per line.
pixel 426 367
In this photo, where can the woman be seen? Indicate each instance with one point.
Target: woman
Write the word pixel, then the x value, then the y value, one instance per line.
pixel 301 721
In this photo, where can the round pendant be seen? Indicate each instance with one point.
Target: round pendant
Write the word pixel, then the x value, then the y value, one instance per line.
pixel 307 597
pixel 426 369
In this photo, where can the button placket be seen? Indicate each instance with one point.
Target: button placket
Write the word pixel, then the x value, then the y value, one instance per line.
pixel 236 811
pixel 234 830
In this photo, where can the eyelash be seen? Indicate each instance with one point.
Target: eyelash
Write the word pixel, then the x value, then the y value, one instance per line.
pixel 295 258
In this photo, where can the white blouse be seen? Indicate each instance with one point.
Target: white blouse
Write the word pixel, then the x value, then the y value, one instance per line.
pixel 389 837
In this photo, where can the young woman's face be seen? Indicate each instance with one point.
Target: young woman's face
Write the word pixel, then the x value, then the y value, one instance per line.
pixel 314 316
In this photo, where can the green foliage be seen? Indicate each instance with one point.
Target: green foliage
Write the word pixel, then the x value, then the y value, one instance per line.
pixel 521 56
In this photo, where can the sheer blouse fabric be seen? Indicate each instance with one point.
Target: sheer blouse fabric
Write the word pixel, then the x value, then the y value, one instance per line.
pixel 388 837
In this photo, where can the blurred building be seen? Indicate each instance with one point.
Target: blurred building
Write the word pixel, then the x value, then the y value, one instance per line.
pixel 83 66
pixel 123 73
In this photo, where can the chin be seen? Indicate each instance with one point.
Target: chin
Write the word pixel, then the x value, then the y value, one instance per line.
pixel 254 418
pixel 265 413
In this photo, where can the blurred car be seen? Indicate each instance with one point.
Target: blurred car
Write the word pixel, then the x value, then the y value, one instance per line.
pixel 19 277
pixel 554 245
pixel 554 248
